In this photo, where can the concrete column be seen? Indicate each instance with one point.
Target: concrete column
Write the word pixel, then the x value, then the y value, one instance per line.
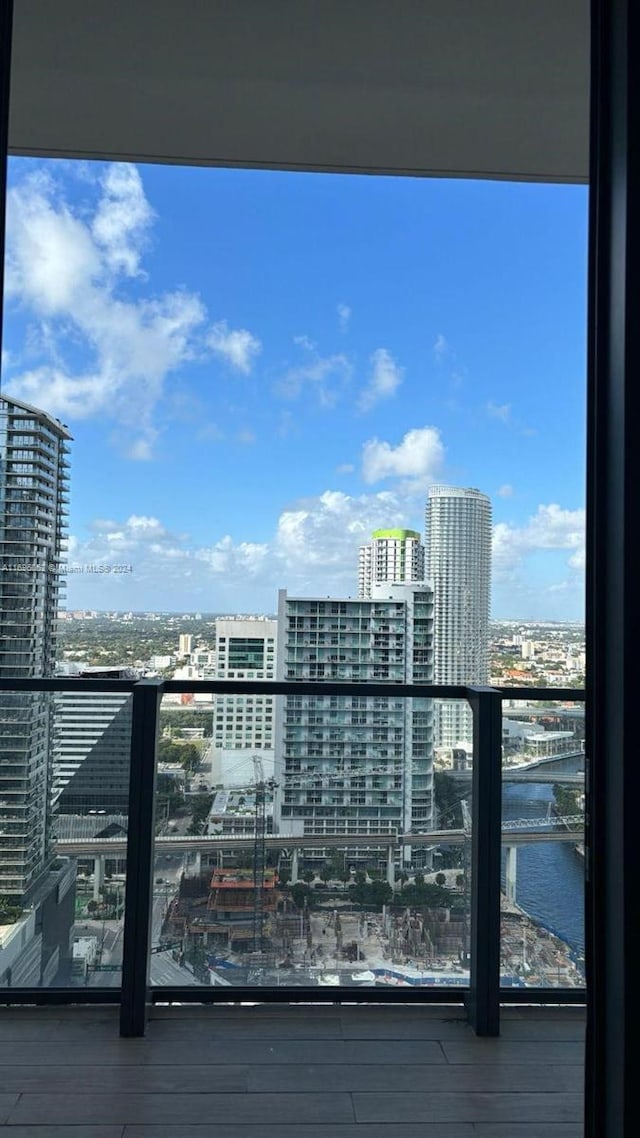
pixel 391 867
pixel 197 863
pixel 98 876
pixel 294 865
pixel 510 872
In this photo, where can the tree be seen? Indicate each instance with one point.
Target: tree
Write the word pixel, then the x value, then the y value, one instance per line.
pixel 425 896
pixel 325 874
pixel 380 893
pixel 169 752
pixel 200 806
pixel 284 876
pixel 300 894
pixel 308 876
pixel 373 895
pixel 9 911
pixel 419 879
pixel 189 757
pixel 441 879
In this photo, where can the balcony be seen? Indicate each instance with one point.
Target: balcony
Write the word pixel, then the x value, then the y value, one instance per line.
pixel 189 952
pixel 267 1072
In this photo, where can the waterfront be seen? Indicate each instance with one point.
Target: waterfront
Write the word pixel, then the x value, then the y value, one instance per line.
pixel 550 875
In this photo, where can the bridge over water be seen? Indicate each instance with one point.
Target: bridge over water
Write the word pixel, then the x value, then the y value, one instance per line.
pixel 549 769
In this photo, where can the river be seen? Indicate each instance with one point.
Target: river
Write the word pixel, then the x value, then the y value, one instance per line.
pixel 550 875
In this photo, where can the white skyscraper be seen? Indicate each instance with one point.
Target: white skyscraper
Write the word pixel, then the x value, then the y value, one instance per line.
pixel 458 565
pixel 393 556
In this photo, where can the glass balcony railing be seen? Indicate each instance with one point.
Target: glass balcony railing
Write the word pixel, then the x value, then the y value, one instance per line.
pixel 222 840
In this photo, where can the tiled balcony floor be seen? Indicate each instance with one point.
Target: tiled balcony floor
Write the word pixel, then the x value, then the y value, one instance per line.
pixel 287 1072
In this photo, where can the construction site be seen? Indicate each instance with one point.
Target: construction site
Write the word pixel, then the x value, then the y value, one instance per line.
pixel 232 926
pixel 244 924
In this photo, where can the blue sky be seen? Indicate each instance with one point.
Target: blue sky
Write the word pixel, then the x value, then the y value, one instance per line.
pixel 259 368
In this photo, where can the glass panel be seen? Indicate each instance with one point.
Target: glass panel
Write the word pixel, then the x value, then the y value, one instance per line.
pixel 64 786
pixel 542 929
pixel 365 354
pixel 318 861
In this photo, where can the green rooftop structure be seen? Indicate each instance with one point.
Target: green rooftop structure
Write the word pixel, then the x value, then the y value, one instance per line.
pixel 393 556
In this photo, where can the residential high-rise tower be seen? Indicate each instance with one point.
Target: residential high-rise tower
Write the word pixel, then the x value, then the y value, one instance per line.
pixel 356 764
pixel 33 501
pixel 39 887
pixel 458 566
pixel 393 556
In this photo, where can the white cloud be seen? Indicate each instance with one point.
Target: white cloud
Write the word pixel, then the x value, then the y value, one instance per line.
pixel 384 380
pixel 317 539
pixel 228 557
pixel 237 346
pixel 505 491
pixel 122 216
pixel 550 528
pixel 91 349
pixel 305 342
pixel 345 468
pixel 578 560
pixel 141 449
pixel 51 257
pixel 419 456
pixel 500 411
pixel 326 376
pixel 313 549
pixel 344 316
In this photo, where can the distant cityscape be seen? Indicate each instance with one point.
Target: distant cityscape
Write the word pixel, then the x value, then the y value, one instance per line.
pixel 533 653
pixel 346 793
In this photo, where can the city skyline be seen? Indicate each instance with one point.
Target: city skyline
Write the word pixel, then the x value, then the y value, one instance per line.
pixel 355 339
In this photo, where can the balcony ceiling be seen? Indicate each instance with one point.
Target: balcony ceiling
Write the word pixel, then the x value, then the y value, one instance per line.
pixel 482 88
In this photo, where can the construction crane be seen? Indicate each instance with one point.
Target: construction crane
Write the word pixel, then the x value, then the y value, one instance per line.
pixel 259 850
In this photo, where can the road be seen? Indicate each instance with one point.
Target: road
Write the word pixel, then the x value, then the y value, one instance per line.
pixel 165 971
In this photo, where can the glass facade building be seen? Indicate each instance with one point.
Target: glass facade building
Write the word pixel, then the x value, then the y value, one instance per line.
pixel 33 509
pixel 92 739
